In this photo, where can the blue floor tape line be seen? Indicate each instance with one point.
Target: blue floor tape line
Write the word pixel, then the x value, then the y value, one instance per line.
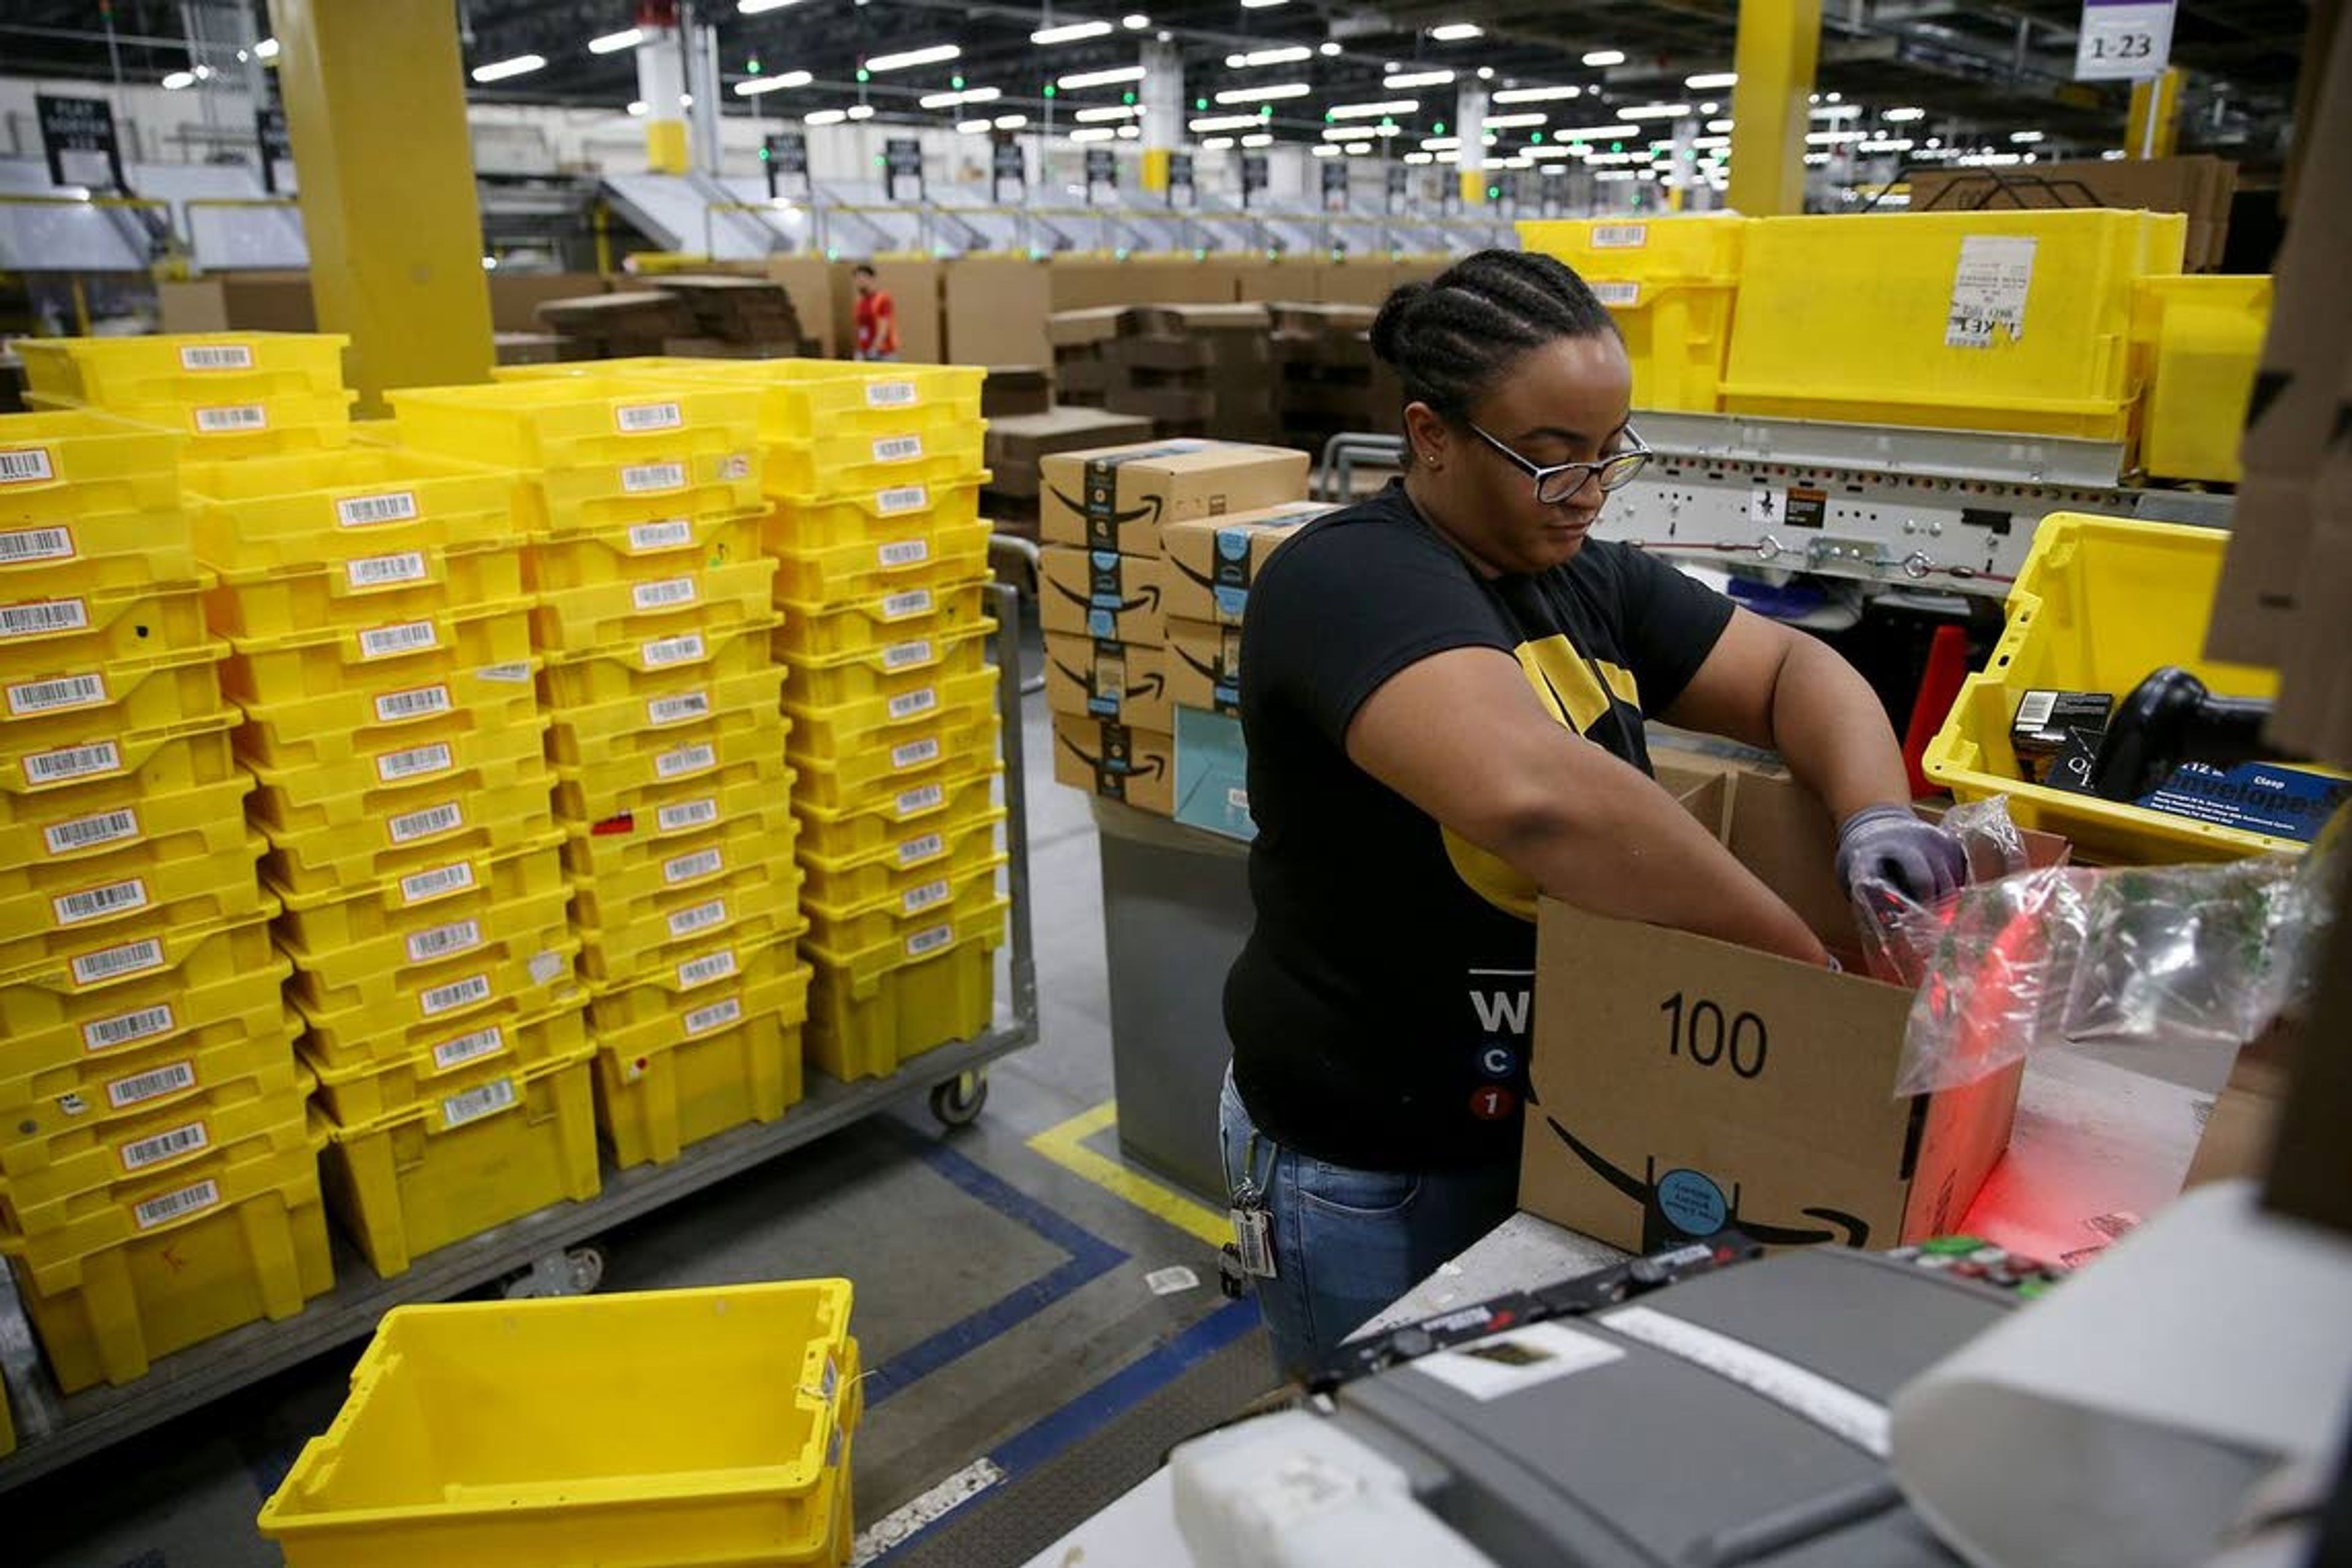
pixel 1090 1258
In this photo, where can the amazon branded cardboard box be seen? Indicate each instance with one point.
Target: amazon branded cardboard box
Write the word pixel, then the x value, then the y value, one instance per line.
pixel 1211 561
pixel 1126 682
pixel 1683 1084
pixel 1102 595
pixel 1119 498
pixel 1116 761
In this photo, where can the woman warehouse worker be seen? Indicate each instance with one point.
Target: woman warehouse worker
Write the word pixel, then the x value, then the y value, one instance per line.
pixel 1443 691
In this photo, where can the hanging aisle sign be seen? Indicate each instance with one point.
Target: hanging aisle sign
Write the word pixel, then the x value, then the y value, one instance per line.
pixel 1007 166
pixel 1253 175
pixel 269 130
pixel 2123 40
pixel 1335 184
pixel 1399 186
pixel 1180 178
pixel 1102 169
pixel 785 153
pixel 77 134
pixel 902 159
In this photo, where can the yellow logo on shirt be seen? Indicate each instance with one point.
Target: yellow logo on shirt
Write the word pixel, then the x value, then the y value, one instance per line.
pixel 1564 683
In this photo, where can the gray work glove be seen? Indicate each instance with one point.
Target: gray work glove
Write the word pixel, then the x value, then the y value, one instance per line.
pixel 1888 844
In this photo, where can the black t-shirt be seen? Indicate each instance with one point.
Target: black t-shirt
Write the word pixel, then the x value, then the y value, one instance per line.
pixel 1380 1011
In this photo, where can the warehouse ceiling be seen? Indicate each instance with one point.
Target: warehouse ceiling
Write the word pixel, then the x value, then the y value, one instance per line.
pixel 1995 74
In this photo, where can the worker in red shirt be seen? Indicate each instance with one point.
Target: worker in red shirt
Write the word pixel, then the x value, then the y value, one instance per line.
pixel 876 316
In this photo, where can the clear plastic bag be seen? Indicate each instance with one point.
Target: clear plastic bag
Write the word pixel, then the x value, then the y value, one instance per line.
pixel 1894 928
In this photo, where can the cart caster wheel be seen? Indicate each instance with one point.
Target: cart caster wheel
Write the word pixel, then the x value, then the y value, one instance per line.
pixel 575 1272
pixel 956 1103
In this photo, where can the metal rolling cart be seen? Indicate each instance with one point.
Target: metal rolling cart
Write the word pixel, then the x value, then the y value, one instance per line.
pixel 551 1252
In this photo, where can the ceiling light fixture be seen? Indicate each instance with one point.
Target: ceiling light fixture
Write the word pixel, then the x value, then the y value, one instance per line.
pixel 753 7
pixel 825 117
pixel 1223 123
pixel 1218 145
pixel 1904 115
pixel 1135 21
pixel 860 111
pixel 1091 133
pixel 637 108
pixel 1598 59
pixel 931 55
pixel 1373 110
pixel 614 43
pixel 175 80
pixel 1507 121
pixel 1654 112
pixel 1417 79
pixel 499 70
pixel 1596 134
pixel 2023 138
pixel 1718 127
pixel 1260 140
pixel 1262 5
pixel 1710 79
pixel 1321 149
pixel 760 84
pixel 1011 121
pixel 266 50
pixel 1327 50
pixel 972 127
pixel 1261 94
pixel 1457 32
pixel 970 95
pixel 1537 94
pixel 1111 78
pixel 1070 32
pixel 1419 158
pixel 1357 149
pixel 1288 54
pixel 1108 111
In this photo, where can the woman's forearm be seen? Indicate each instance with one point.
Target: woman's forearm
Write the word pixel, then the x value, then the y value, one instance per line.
pixel 1829 727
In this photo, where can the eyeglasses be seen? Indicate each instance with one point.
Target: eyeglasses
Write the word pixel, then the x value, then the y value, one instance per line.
pixel 1557 483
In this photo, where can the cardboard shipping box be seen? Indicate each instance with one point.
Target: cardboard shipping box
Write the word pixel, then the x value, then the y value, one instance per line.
pixel 994 309
pixel 1683 1084
pixel 1213 774
pixel 1204 666
pixel 1101 594
pixel 1089 679
pixel 1016 445
pixel 1119 498
pixel 1212 560
pixel 1137 766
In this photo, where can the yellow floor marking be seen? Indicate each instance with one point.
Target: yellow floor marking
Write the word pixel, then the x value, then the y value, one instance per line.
pixel 1065 1145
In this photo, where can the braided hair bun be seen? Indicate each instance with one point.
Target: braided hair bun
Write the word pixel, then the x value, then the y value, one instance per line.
pixel 1451 339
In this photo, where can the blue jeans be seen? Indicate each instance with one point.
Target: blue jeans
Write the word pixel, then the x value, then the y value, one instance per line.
pixel 1347 1243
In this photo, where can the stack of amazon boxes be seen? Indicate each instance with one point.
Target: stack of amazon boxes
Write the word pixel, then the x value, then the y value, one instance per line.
pixel 873 476
pixel 1327 380
pixel 1019 443
pixel 649 629
pixel 158 1181
pixel 1189 368
pixel 1105 588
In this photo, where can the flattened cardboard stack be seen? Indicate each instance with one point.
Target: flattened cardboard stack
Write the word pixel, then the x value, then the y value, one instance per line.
pixel 1189 368
pixel 1328 379
pixel 1014 390
pixel 619 326
pixel 1101 594
pixel 735 318
pixel 2202 187
pixel 1017 445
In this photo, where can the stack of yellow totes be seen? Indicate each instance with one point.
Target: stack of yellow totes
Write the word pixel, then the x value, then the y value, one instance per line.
pixel 233 395
pixel 668 739
pixel 873 476
pixel 158 1180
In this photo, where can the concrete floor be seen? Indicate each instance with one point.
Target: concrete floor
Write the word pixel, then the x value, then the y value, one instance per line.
pixel 995 1287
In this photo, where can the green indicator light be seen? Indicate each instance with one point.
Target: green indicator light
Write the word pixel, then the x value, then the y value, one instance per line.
pixel 1127 97
pixel 1534 137
pixel 753 65
pixel 1199 103
pixel 862 75
pixel 1440 130
pixel 763 154
pixel 956 82
pixel 1049 90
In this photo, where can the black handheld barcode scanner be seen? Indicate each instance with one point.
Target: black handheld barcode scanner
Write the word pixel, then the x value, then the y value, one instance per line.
pixel 2169 719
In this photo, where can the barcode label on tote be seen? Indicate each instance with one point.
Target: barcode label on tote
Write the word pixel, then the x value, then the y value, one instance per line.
pixel 716 1016
pixel 929 941
pixel 923 799
pixel 913 602
pixel 899 655
pixel 915 851
pixel 914 753
pixel 20 545
pixel 1618 296
pixel 688 867
pixel 2034 712
pixel 371 511
pixel 905 552
pixel 474 1046
pixel 897 449
pixel 230 417
pixel 702 971
pixel 414 763
pixel 700 917
pixel 73 762
pixel 161 1146
pixel 383 571
pixel 458 994
pixel 411 825
pixel 475 1103
pixel 90 832
pixel 665 594
pixel 113 962
pixel 188 1200
pixel 1619 236
pixel 25 465
pixel 665 651
pixel 907 704
pixel 153 1084
pixel 216 356
pixel 50 696
pixel 670 533
pixel 634 418
pixel 126 1029
pixel 44 618
pixel 439 881
pixel 92 903
pixel 698 758
pixel 687 813
pixel 889 395
pixel 407 636
pixel 902 497
pixel 639 477
pixel 678 709
pixel 915 901
pixel 440 941
pixel 417 703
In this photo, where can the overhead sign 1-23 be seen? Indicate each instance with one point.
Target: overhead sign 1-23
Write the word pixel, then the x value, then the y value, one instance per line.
pixel 2123 40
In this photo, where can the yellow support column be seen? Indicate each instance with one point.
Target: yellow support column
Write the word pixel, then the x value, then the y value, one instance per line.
pixel 375 106
pixel 2154 130
pixel 1779 43
pixel 1155 169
